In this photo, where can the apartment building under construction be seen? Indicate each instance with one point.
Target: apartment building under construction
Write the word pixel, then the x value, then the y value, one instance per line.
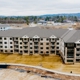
pixel 35 40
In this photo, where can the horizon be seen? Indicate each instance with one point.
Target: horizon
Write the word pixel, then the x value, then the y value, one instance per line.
pixel 37 7
pixel 42 14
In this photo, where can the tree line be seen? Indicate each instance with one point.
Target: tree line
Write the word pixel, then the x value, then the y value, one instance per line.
pixel 35 19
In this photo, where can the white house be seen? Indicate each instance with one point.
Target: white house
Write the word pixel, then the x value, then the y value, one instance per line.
pixel 4 27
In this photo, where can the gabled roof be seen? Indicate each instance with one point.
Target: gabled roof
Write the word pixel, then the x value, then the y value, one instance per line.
pixel 65 34
pixel 75 37
pixel 58 32
pixel 71 36
pixel 23 32
pixel 32 31
pixel 67 37
pixel 45 33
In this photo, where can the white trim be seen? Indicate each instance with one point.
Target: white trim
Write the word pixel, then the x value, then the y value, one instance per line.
pixel 53 36
pixel 77 41
pixel 36 36
pixel 25 36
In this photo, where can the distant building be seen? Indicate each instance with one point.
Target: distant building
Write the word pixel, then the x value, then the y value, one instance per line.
pixel 68 21
pixel 4 27
pixel 42 22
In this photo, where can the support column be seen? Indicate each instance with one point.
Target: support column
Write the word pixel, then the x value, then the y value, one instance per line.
pixel 55 46
pixel 65 55
pixel 74 55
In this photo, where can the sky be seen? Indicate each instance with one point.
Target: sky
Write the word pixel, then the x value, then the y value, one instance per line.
pixel 38 7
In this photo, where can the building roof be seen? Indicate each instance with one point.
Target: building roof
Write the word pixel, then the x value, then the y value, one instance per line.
pixel 58 32
pixel 72 36
pixel 65 34
pixel 32 31
pixel 75 37
pixel 46 33
pixel 9 33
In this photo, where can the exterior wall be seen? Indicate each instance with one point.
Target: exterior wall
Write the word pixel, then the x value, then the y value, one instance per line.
pixel 30 46
pixel 16 45
pixel 7 44
pixel 57 45
pixel 69 56
pixel 61 46
pixel 1 44
pixel 62 50
pixel 26 45
pixel 53 45
pixel 77 51
pixel 43 44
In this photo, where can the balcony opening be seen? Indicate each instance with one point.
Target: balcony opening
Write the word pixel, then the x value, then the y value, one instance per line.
pixel 47 52
pixel 41 52
pixel 69 60
pixel 36 52
pixel 6 51
pixel 16 50
pixel 52 52
pixel 21 51
pixel 11 50
pixel 25 51
pixel 31 52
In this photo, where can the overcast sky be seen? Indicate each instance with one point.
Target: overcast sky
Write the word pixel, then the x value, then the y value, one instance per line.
pixel 38 7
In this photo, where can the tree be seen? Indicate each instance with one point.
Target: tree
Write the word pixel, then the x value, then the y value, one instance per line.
pixel 61 19
pixel 75 18
pixel 27 20
pixel 47 19
pixel 35 19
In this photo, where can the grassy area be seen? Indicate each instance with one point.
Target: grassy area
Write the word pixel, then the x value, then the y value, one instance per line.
pixel 51 62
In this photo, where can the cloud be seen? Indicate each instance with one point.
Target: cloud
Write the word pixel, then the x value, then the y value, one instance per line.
pixel 38 7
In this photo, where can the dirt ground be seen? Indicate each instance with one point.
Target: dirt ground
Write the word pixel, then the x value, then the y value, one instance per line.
pixel 53 62
pixel 24 25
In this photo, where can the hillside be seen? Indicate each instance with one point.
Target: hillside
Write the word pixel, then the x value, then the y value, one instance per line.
pixel 63 14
